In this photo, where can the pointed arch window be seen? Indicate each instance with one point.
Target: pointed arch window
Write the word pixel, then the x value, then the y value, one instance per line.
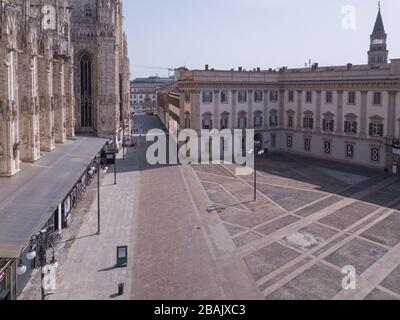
pixel 86 92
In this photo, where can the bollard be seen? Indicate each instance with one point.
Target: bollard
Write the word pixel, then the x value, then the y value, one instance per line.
pixel 121 287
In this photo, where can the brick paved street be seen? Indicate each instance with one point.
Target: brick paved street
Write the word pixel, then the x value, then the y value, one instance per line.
pixel 86 260
pixel 195 233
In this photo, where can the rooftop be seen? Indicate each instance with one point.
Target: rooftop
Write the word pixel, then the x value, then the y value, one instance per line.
pixel 313 73
pixel 28 199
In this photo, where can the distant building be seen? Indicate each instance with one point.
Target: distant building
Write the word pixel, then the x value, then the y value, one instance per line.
pixel 348 113
pixel 143 91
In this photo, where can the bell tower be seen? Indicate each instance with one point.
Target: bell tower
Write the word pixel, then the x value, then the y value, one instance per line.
pixel 378 53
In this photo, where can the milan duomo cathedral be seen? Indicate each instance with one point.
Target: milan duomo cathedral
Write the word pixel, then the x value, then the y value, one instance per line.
pixel 64 69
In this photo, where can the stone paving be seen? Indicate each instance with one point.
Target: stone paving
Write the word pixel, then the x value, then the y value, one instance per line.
pixel 87 261
pixel 194 232
pixel 310 220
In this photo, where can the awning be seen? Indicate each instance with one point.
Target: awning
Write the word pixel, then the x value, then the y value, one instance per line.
pixel 28 199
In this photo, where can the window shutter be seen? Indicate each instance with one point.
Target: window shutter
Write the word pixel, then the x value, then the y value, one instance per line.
pixel 203 124
pixel 355 127
pixel 311 123
pixel 371 129
pixel 332 125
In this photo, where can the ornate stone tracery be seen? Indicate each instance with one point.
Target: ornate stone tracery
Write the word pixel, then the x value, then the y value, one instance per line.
pixel 40 60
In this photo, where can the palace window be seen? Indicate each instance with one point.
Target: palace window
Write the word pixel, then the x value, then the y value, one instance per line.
pixel 224 97
pixel 350 124
pixel 291 96
pixel 224 123
pixel 328 124
pixel 290 122
pixel 207 96
pixel 290 119
pixel 309 97
pixel 242 121
pixel 242 96
pixel 258 120
pixel 273 119
pixel 258 96
pixel 224 120
pixel 328 97
pixel 207 124
pixel 377 98
pixel 376 129
pixel 308 121
pixel 273 96
pixel 351 98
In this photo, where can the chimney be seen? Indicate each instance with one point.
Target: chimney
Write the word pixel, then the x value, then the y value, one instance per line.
pixel 314 66
pixel 258 69
pixel 349 66
pixel 206 67
pixel 240 69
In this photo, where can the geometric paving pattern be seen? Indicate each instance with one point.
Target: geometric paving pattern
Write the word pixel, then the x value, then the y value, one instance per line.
pixel 310 220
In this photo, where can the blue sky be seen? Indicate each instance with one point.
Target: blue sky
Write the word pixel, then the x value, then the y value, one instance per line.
pixel 251 33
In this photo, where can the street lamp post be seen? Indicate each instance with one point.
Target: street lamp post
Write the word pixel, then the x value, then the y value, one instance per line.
pixel 123 141
pixel 38 247
pixel 259 152
pixel 99 164
pixel 115 166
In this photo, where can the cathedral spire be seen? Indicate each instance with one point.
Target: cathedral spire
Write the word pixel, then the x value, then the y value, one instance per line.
pixel 378 53
pixel 379 28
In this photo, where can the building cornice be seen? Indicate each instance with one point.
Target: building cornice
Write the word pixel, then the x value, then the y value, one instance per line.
pixel 317 85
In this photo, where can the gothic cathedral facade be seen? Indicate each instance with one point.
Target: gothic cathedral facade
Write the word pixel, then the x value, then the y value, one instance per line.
pixel 102 66
pixel 64 68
